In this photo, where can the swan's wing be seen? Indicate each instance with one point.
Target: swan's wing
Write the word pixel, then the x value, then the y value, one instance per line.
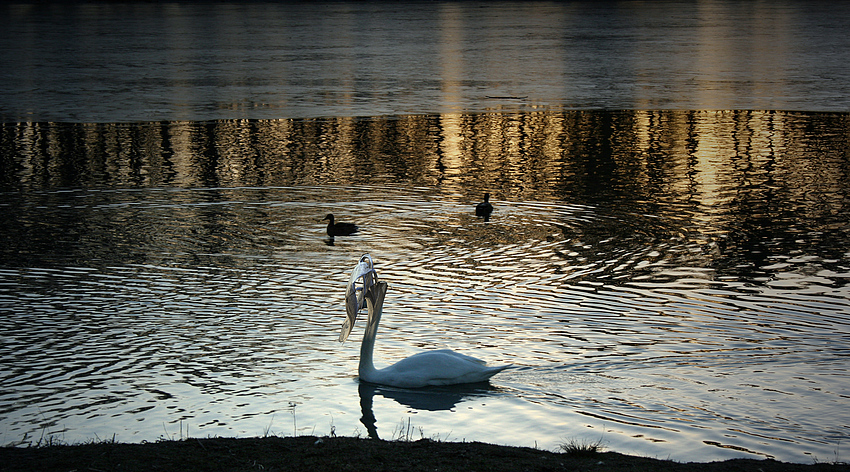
pixel 354 295
pixel 347 326
pixel 435 367
pixel 442 361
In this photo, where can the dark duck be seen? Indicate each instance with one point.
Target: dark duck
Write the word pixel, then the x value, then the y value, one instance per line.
pixel 339 229
pixel 484 208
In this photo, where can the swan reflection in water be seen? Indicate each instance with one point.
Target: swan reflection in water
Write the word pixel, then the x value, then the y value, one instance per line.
pixel 442 398
pixel 427 368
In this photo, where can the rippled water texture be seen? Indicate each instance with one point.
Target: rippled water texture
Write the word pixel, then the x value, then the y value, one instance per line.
pixel 151 61
pixel 672 283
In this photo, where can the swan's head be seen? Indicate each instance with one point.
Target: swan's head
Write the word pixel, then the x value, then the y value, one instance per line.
pixel 363 277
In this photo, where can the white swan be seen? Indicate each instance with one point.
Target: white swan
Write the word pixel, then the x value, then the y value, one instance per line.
pixel 435 367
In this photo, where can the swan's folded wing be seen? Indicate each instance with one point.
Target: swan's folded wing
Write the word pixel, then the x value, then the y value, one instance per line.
pixel 435 367
pixel 347 326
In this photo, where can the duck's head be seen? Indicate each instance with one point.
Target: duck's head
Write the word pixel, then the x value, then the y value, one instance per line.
pixel 330 217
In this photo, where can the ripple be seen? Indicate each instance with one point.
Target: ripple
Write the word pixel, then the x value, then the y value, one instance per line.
pixel 635 332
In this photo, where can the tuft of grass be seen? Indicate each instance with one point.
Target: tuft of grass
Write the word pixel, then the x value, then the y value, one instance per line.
pixel 292 407
pixel 267 432
pixel 836 460
pixel 405 432
pixel 581 447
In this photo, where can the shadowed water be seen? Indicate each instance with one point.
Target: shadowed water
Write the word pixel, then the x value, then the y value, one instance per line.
pixel 103 62
pixel 672 283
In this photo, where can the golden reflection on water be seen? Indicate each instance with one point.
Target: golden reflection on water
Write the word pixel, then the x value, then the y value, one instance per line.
pixel 728 181
pixel 575 156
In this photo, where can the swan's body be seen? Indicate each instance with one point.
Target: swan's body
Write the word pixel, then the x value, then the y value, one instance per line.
pixel 485 208
pixel 339 229
pixel 428 368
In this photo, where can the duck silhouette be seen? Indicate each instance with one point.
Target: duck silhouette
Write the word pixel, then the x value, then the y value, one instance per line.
pixel 484 208
pixel 339 229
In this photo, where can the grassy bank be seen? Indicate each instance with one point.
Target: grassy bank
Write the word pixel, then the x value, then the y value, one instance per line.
pixel 305 453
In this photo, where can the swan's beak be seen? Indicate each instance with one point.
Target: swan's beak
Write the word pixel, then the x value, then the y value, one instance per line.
pixel 365 276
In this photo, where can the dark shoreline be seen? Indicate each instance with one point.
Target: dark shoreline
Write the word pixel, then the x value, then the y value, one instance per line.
pixel 306 453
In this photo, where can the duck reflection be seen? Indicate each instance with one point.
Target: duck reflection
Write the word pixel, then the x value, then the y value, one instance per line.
pixel 429 399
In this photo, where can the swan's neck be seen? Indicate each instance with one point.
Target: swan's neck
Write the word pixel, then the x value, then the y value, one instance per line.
pixel 375 303
pixel 367 347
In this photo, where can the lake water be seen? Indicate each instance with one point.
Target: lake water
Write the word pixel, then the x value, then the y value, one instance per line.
pixel 666 268
pixel 188 61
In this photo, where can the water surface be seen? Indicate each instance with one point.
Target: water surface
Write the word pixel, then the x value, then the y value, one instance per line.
pixel 95 62
pixel 672 283
pixel 666 268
